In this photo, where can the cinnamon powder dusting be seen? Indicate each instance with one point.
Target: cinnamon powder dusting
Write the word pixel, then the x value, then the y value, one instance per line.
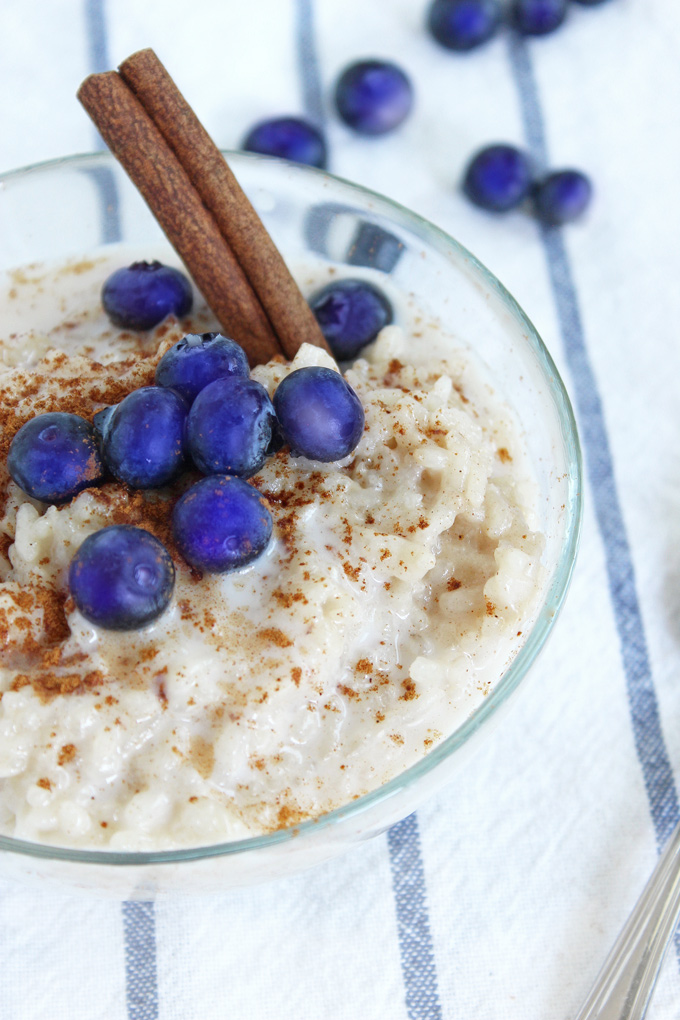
pixel 202 756
pixel 409 689
pixel 289 814
pixel 48 685
pixel 275 636
pixel 59 383
pixel 67 754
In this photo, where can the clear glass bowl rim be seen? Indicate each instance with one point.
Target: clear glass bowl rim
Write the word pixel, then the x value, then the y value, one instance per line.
pixel 438 239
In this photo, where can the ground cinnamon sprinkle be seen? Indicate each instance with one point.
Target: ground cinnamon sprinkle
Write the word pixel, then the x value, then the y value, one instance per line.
pixel 290 814
pixel 287 530
pixel 287 599
pixel 352 572
pixel 53 605
pixel 146 654
pixel 48 685
pixel 67 754
pixel 348 691
pixel 409 689
pixel 275 636
pixel 5 542
pixel 18 632
pixel 151 511
pixel 202 756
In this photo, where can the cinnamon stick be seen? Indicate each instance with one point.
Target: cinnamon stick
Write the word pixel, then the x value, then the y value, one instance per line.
pixel 153 167
pixel 290 315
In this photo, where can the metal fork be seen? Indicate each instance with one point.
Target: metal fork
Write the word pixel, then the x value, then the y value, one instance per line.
pixel 623 988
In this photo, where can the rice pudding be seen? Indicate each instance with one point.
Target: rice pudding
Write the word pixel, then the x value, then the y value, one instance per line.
pixel 396 589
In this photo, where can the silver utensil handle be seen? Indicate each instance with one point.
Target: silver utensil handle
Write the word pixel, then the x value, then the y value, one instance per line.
pixel 624 986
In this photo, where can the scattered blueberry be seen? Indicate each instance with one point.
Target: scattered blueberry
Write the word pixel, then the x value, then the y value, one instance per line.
pixel 144 437
pixel 289 137
pixel 198 359
pixel 121 578
pixel 143 294
pixel 54 456
pixel 498 178
pixel 351 313
pixel 463 24
pixel 221 524
pixel 538 17
pixel 320 414
pixel 229 430
pixel 373 96
pixel 562 196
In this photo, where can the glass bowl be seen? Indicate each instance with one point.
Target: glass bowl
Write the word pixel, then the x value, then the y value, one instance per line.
pixel 71 206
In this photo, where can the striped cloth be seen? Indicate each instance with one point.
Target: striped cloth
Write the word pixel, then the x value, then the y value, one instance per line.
pixel 501 897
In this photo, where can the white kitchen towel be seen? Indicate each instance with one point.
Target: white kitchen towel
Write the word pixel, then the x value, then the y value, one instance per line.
pixel 502 896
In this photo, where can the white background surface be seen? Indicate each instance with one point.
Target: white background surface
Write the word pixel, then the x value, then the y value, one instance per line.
pixel 536 856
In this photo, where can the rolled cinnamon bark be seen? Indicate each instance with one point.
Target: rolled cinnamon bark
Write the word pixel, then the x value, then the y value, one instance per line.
pixel 288 312
pixel 134 139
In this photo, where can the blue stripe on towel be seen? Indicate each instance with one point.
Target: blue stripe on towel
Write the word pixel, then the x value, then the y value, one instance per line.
pixel 95 24
pixel 308 64
pixel 97 41
pixel 141 994
pixel 644 709
pixel 413 925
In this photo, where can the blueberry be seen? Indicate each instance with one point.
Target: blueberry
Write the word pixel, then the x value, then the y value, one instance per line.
pixel 221 523
pixel 351 313
pixel 143 294
pixel 229 430
pixel 289 137
pixel 498 178
pixel 144 437
pixel 538 17
pixel 562 196
pixel 463 24
pixel 373 96
pixel 54 456
pixel 198 359
pixel 320 414
pixel 121 578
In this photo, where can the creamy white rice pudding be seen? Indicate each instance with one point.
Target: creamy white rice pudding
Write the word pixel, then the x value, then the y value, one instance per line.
pixel 398 586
